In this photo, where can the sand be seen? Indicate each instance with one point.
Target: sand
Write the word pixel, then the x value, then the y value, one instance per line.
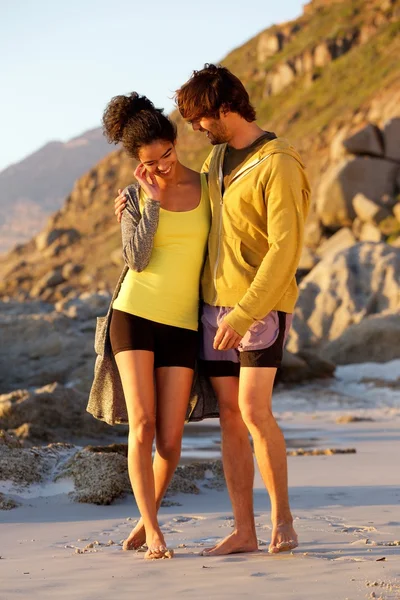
pixel 346 509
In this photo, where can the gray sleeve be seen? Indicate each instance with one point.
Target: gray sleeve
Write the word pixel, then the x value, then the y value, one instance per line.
pixel 138 230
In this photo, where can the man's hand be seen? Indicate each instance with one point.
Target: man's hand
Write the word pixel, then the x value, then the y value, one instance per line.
pixel 119 205
pixel 226 337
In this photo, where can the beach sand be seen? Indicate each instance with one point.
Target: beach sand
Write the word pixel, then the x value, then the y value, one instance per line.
pixel 346 510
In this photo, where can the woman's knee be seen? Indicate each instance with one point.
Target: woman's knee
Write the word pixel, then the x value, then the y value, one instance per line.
pixel 142 429
pixel 169 445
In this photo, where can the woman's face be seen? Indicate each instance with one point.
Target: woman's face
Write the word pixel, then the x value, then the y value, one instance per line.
pixel 159 158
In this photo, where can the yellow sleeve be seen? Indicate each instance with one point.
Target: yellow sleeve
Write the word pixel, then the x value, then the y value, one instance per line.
pixel 206 163
pixel 287 198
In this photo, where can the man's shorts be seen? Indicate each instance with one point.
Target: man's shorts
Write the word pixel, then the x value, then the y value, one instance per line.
pixel 261 346
pixel 172 346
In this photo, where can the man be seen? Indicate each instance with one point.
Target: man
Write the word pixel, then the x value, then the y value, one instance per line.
pixel 259 199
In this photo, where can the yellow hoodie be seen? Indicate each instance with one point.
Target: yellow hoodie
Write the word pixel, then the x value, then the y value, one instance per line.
pixel 256 233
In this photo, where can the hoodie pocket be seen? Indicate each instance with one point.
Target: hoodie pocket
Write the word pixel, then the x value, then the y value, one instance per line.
pixel 240 259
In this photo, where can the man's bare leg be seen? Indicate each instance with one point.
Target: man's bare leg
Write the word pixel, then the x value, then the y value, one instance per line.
pixel 237 458
pixel 173 388
pixel 255 402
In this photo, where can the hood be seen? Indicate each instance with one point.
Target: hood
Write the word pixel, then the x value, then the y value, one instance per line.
pixel 279 145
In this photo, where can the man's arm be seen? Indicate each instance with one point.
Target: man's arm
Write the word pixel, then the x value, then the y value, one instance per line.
pixel 287 197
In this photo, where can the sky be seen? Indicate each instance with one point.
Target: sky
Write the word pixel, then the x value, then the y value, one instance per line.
pixel 63 60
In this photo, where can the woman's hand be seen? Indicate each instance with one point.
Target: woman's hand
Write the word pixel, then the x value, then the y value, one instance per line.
pixel 147 182
pixel 119 204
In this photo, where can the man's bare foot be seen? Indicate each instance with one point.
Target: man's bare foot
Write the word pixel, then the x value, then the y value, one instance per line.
pixel 284 538
pixel 157 548
pixel 136 538
pixel 232 544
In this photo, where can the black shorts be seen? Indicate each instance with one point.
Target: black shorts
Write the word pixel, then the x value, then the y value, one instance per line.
pixel 172 346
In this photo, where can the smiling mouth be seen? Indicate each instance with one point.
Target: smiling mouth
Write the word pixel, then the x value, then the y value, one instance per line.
pixel 165 172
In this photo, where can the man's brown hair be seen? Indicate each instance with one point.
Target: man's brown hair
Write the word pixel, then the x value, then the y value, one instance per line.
pixel 211 89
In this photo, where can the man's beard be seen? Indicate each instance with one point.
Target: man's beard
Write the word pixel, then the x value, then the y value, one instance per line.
pixel 218 136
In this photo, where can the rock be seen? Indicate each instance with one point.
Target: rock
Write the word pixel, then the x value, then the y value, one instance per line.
pixel 342 239
pixel 39 344
pixel 357 227
pixel 281 77
pixel 99 478
pixel 7 503
pixel 322 54
pixel 396 211
pixel 51 413
pixel 337 150
pixel 367 140
pixel 313 232
pixel 370 233
pixel 391 134
pixel 374 339
pixel 70 269
pixel 369 211
pixel 308 259
pixel 304 367
pixel 389 226
pixel 342 290
pixel 86 306
pixel 50 280
pixel 117 258
pixel 26 466
pixel 268 45
pixel 47 238
pixel 372 177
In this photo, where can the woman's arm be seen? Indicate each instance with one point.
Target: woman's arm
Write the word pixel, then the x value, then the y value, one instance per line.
pixel 138 230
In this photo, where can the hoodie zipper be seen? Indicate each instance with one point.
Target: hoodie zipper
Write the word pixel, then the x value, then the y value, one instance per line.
pixel 220 176
pixel 221 202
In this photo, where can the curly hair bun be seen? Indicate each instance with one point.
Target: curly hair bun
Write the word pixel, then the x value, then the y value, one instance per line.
pixel 120 111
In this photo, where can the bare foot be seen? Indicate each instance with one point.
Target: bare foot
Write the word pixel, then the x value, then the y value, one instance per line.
pixel 283 538
pixel 136 538
pixel 157 548
pixel 232 544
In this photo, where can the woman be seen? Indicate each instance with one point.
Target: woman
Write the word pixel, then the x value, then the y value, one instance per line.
pixel 154 318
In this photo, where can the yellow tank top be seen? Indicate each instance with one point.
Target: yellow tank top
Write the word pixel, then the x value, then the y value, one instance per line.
pixel 167 290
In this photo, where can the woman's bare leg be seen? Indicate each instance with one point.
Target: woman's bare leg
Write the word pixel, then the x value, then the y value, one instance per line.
pixel 173 390
pixel 136 372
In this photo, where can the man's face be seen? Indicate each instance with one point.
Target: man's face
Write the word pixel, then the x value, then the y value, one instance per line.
pixel 215 129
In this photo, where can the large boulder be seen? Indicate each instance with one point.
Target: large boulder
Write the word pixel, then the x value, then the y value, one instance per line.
pixel 391 134
pixel 373 177
pixel 369 211
pixel 374 339
pixel 342 239
pixel 40 344
pixel 367 140
pixel 49 414
pixel 343 289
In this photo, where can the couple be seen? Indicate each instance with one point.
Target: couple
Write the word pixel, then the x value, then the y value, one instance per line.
pixel 235 232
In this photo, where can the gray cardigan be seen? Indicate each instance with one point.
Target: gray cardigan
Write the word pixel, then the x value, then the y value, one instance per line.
pixel 106 399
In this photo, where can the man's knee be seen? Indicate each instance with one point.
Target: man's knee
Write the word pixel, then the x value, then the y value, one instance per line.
pixel 257 417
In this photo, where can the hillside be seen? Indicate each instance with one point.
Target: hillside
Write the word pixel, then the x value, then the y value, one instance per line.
pixel 35 187
pixel 314 80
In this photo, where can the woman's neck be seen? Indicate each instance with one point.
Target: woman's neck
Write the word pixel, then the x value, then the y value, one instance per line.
pixel 175 181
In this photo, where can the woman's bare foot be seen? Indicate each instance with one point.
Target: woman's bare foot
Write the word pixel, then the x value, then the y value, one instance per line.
pixel 136 538
pixel 157 548
pixel 233 544
pixel 284 538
